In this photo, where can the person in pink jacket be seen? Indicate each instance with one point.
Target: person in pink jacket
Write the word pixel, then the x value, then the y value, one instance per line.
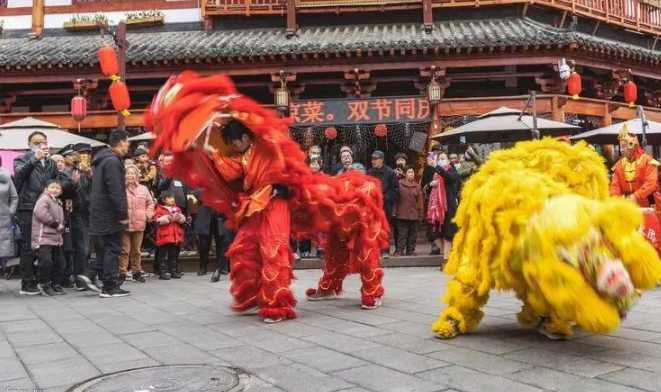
pixel 141 210
pixel 46 236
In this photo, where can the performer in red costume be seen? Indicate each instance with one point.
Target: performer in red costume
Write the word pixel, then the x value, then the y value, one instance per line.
pixel 635 175
pixel 241 156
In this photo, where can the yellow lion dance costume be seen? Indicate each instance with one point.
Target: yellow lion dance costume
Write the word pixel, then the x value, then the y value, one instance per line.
pixel 537 219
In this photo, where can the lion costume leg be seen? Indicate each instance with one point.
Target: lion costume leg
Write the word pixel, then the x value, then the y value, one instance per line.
pixel 463 313
pixel 335 269
pixel 371 276
pixel 261 264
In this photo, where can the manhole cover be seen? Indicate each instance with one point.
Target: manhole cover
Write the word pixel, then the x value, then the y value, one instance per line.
pixel 193 378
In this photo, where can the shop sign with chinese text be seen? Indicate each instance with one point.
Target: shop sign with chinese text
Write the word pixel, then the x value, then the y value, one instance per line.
pixel 360 111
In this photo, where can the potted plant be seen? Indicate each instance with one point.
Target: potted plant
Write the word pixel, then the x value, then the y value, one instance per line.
pixel 144 18
pixel 86 22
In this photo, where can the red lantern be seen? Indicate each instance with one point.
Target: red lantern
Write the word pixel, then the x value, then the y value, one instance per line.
pixel 330 133
pixel 381 130
pixel 630 93
pixel 574 85
pixel 119 95
pixel 108 61
pixel 78 108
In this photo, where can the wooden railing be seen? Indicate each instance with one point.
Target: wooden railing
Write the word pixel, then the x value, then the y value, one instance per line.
pixel 631 14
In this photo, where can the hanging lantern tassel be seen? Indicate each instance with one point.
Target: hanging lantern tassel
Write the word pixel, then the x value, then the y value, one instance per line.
pixel 330 133
pixel 381 130
pixel 630 93
pixel 574 85
pixel 119 95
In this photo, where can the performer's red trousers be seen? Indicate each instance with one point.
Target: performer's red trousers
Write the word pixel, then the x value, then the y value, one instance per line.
pixel 261 263
pixel 340 261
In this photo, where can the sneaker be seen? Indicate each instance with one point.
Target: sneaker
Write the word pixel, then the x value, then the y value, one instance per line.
pixel 88 283
pixel 114 293
pixel 138 277
pixel 58 289
pixel 377 303
pixel 215 277
pixel 29 289
pixel 46 289
pixel 165 276
pixel 273 321
pixel 176 275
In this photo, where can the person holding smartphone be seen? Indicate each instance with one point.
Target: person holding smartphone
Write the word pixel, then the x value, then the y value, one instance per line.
pixel 32 172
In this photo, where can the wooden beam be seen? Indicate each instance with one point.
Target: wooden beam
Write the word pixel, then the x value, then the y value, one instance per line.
pixel 37 17
pixel 291 18
pixel 447 108
pixel 427 15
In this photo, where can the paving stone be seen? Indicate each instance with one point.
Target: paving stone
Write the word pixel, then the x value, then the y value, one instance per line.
pixel 473 381
pixel 648 381
pixel 476 360
pixel 579 366
pixel 553 380
pixel 249 357
pixel 180 353
pixel 11 369
pixel 150 339
pixel 630 359
pixel 323 359
pixel 399 360
pixel 11 327
pixel 611 342
pixel 18 385
pixel 382 379
pixel 32 355
pixel 6 350
pixel 297 377
pixel 112 367
pixel 486 343
pixel 63 372
pixel 23 339
pixel 87 338
pixel 111 353
pixel 341 342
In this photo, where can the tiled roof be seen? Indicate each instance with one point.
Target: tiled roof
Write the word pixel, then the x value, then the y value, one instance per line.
pixel 79 50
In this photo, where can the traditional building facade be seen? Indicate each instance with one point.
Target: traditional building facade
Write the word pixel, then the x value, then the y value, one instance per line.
pixel 414 65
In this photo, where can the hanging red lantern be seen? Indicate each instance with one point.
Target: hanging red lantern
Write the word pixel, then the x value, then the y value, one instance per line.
pixel 630 93
pixel 119 95
pixel 574 85
pixel 78 108
pixel 381 130
pixel 330 133
pixel 109 62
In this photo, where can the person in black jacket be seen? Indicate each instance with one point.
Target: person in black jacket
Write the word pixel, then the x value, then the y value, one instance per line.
pixel 32 171
pixel 81 175
pixel 389 182
pixel 452 181
pixel 109 213
pixel 210 225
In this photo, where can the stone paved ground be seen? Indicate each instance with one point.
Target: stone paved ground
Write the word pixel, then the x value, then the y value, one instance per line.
pixel 53 343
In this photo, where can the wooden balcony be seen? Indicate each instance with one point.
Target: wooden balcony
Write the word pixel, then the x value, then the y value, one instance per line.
pixel 638 15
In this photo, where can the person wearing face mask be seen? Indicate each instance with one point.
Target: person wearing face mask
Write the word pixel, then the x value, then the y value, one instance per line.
pixel 443 202
pixel 32 171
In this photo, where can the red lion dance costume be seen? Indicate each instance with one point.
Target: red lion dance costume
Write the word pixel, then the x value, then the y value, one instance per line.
pixel 635 176
pixel 344 213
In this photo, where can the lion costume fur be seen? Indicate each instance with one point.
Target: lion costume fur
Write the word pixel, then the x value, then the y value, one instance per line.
pixel 528 220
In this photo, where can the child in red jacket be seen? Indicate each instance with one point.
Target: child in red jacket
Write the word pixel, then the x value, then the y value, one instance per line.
pixel 169 236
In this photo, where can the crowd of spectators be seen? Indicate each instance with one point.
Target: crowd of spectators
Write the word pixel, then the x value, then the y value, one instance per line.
pixel 84 221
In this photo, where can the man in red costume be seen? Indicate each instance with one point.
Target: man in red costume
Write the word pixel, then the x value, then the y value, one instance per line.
pixel 241 157
pixel 635 175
